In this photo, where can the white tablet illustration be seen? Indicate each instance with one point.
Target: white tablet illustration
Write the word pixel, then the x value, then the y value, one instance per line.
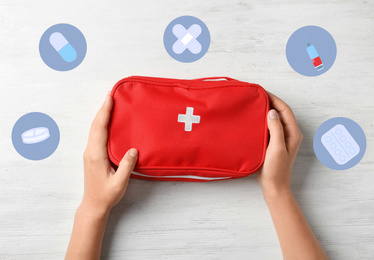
pixel 35 135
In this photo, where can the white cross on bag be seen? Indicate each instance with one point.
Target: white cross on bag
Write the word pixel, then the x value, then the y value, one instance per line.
pixel 188 119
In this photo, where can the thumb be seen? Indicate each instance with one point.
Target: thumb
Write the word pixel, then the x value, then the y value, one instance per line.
pixel 127 164
pixel 276 129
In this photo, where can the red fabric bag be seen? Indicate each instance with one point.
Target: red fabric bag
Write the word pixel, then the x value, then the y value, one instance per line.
pixel 189 130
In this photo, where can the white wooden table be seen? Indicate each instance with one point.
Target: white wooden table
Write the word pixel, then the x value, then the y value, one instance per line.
pixel 175 220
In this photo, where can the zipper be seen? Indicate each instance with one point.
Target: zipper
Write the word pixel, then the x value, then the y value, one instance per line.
pixel 183 177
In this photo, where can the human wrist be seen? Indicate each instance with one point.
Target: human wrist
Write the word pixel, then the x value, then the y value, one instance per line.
pixel 92 210
pixel 275 193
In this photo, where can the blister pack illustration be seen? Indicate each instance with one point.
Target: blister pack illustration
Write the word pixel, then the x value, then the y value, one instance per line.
pixel 340 144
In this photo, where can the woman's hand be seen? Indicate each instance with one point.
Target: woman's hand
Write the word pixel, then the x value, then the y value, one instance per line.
pixel 103 186
pixel 285 140
pixel 295 235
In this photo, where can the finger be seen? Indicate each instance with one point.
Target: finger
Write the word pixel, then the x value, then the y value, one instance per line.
pixel 291 130
pixel 126 166
pixel 276 130
pixel 98 136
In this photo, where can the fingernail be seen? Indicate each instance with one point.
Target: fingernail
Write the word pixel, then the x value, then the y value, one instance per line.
pixel 133 152
pixel 107 97
pixel 273 114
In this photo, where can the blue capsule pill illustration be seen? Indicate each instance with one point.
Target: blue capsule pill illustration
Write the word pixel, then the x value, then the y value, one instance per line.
pixel 63 47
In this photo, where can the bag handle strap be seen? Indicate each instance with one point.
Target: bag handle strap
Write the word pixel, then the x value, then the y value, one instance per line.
pixel 215 79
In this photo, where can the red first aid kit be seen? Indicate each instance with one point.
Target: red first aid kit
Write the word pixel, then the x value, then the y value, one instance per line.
pixel 189 130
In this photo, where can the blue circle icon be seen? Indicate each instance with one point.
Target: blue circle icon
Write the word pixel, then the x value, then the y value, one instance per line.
pixel 62 47
pixel 186 39
pixel 35 136
pixel 339 143
pixel 311 51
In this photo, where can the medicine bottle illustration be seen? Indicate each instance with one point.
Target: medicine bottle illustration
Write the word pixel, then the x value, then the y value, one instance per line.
pixel 313 54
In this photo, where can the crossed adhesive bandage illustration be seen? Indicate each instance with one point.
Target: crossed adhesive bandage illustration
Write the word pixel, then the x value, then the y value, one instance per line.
pixel 187 39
